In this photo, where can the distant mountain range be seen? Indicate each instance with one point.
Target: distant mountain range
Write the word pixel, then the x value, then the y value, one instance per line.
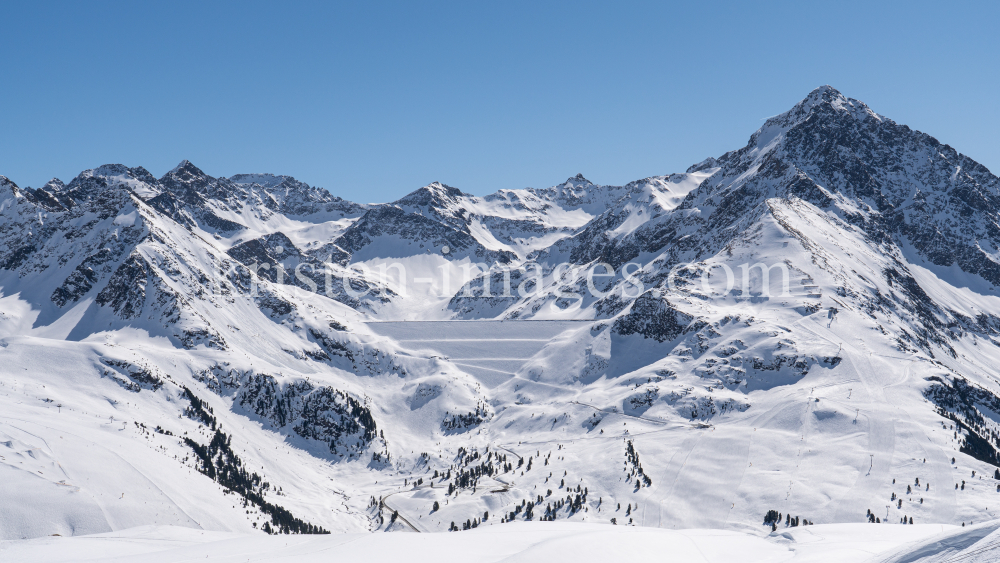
pixel 808 324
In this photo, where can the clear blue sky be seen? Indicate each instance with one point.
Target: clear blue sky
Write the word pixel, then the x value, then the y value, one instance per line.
pixel 374 99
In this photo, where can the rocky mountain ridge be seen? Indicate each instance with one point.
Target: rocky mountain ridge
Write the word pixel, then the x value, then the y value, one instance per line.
pixel 794 324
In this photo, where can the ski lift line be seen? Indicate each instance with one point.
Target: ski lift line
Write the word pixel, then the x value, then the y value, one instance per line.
pixel 616 437
pixel 877 431
pixel 946 505
pixel 881 434
pixel 688 446
pixel 521 381
pixel 606 411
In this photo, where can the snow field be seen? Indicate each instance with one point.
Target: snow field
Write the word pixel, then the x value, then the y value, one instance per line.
pixel 811 404
pixel 528 542
pixel 490 351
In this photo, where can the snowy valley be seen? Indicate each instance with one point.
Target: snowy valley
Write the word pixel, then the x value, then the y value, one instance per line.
pixel 800 332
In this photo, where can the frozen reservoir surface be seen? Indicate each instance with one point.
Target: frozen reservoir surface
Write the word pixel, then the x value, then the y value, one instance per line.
pixel 490 351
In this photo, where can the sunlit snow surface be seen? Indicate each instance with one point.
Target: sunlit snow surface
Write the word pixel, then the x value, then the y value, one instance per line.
pixel 491 351
pixel 821 402
pixel 530 542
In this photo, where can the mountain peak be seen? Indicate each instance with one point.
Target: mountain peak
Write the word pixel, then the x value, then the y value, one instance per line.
pixel 825 92
pixel 108 176
pixel 186 173
pixel 182 166
pixel 703 165
pixel 54 185
pixel 825 102
pixel 439 187
pixel 433 192
pixel 5 182
pixel 823 99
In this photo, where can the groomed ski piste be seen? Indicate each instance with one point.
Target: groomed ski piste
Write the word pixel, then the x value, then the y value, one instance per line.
pixel 163 397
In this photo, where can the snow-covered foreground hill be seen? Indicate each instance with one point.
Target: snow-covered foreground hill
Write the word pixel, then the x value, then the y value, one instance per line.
pixel 531 542
pixel 800 332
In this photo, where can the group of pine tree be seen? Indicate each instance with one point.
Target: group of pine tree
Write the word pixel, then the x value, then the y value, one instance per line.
pixel 773 518
pixel 219 462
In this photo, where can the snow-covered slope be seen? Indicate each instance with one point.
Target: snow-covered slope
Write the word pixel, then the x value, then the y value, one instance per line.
pixel 806 325
pixel 530 542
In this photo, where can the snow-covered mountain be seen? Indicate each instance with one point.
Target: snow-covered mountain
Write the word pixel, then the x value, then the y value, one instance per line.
pixel 806 325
